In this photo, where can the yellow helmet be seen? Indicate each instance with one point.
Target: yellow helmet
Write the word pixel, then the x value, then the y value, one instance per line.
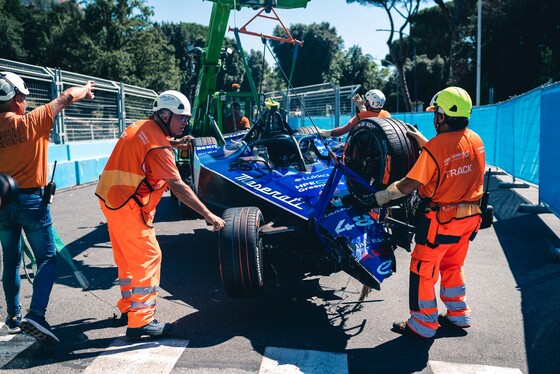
pixel 454 101
pixel 271 103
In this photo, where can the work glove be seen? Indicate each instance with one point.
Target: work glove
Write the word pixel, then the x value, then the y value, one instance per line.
pixel 414 133
pixel 325 133
pixel 359 101
pixel 390 193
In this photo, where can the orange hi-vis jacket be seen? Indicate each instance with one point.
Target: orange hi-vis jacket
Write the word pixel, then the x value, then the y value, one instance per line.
pixel 451 170
pixel 368 114
pixel 125 170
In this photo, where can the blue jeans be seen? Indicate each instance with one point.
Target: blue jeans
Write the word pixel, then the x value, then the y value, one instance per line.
pixel 31 214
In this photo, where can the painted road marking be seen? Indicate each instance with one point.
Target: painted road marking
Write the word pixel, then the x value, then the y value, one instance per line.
pixel 146 356
pixel 12 345
pixel 291 361
pixel 439 367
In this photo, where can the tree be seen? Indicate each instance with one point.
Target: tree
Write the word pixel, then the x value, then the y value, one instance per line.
pixel 188 39
pixel 406 9
pixel 11 18
pixel 117 28
pixel 352 67
pixel 321 44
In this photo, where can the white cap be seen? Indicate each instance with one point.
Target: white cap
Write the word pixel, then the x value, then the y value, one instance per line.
pixel 10 85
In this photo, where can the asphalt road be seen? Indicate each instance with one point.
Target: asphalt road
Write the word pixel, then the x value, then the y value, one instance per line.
pixel 311 325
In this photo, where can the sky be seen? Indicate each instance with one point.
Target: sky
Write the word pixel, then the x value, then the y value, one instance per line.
pixel 356 24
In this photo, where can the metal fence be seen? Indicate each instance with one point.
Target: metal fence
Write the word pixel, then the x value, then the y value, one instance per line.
pixel 116 105
pixel 319 100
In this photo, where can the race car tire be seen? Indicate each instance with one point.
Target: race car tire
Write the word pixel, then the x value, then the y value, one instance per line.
pixel 240 252
pixel 378 150
pixel 306 130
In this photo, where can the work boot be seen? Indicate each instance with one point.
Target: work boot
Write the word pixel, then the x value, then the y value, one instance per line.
pixel 123 319
pixel 402 328
pixel 444 321
pixel 12 323
pixel 36 326
pixel 152 329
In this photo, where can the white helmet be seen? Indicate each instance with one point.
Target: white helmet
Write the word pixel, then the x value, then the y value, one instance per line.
pixel 174 101
pixel 375 98
pixel 10 85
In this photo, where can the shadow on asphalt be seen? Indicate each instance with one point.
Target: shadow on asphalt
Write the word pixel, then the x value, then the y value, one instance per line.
pixel 273 320
pixel 525 240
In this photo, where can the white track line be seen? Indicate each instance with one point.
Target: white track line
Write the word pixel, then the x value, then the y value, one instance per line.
pixel 12 344
pixel 439 367
pixel 291 361
pixel 145 356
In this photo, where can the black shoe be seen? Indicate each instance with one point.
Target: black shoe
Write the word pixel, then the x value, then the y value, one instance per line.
pixel 153 329
pixel 123 319
pixel 38 327
pixel 446 322
pixel 402 328
pixel 13 324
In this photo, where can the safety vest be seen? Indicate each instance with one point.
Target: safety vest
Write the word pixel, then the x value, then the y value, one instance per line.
pixel 369 114
pixel 460 159
pixel 125 170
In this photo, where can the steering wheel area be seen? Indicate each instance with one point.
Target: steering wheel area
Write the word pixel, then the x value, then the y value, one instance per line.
pixel 273 134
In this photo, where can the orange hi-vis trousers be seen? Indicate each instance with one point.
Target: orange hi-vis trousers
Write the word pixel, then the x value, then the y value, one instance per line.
pixel 444 254
pixel 138 258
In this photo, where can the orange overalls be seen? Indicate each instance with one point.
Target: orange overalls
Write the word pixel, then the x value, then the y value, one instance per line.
pixel 451 171
pixel 128 198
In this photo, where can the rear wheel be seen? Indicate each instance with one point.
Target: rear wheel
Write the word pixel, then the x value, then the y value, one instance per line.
pixel 240 252
pixel 378 150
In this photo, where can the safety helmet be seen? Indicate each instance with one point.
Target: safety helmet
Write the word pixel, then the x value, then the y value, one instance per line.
pixel 375 98
pixel 454 101
pixel 10 85
pixel 175 101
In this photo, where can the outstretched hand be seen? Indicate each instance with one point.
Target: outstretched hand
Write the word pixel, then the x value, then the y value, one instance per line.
pixel 90 87
pixel 414 133
pixel 359 101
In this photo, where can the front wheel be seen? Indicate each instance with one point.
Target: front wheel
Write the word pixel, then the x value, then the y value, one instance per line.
pixel 240 252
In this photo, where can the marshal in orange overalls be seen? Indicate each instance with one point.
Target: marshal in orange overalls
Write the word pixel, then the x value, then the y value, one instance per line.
pixel 451 171
pixel 129 190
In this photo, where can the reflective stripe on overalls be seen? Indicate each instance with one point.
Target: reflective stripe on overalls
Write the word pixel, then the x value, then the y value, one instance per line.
pixel 443 252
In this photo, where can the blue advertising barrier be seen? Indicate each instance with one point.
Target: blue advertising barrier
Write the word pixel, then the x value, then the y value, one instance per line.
pixel 549 186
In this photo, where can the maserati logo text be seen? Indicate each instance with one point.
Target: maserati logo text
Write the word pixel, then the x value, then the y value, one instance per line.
pixel 296 202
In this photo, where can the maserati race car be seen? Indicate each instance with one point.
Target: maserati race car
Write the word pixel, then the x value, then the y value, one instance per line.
pixel 290 194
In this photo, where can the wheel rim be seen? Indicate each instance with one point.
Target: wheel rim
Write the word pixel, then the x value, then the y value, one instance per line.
pixel 363 156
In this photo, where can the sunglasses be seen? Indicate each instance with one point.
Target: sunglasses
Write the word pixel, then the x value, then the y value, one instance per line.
pixel 184 119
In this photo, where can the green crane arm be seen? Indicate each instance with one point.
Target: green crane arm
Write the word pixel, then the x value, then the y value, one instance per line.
pixel 210 58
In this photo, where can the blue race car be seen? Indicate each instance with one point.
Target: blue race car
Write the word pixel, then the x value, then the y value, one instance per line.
pixel 291 196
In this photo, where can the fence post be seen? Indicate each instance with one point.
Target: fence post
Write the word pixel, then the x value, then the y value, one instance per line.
pixel 336 106
pixel 57 88
pixel 121 108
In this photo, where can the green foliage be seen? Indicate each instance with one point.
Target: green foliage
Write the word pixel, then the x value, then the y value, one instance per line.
pixel 11 42
pixel 321 44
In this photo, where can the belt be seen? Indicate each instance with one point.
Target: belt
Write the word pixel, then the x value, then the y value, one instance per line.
pixel 32 191
pixel 437 206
